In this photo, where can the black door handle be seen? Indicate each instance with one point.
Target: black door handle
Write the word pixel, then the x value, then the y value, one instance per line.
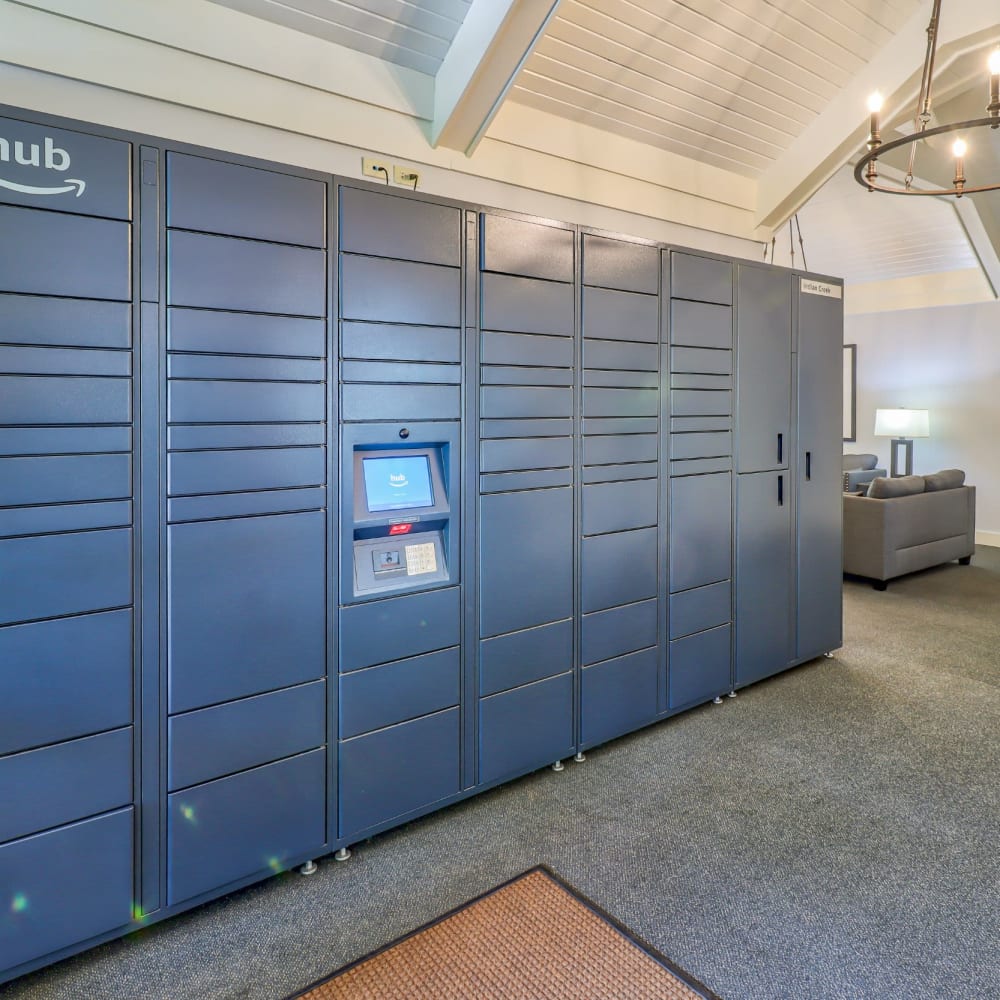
pixel 781 447
pixel 781 491
pixel 809 465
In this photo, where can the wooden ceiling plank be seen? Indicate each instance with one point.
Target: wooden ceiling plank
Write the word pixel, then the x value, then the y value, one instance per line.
pixel 388 20
pixel 690 139
pixel 774 128
pixel 647 33
pixel 583 48
pixel 814 29
pixel 762 86
pixel 308 24
pixel 614 127
pixel 723 129
pixel 791 55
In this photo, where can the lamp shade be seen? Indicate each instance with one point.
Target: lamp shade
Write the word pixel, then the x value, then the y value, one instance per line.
pixel 902 423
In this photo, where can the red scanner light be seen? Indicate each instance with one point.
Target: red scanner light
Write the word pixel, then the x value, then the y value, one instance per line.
pixel 400 529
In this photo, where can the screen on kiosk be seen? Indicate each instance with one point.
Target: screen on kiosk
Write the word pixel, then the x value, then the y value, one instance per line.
pixel 397 482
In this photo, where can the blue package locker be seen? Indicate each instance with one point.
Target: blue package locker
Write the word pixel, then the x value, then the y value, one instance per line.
pixel 245 539
pixel 622 576
pixel 701 478
pixel 401 683
pixel 527 495
pixel 67 551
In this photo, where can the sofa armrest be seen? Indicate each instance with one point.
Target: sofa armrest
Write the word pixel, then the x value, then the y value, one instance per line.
pixel 866 536
pixel 860 477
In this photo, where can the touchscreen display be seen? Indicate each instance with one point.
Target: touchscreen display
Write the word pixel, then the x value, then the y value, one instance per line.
pixel 397 482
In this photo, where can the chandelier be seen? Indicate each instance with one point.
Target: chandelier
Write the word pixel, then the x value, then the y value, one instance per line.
pixel 866 171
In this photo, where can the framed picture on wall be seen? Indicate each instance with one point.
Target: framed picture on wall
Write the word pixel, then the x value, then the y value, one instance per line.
pixel 850 392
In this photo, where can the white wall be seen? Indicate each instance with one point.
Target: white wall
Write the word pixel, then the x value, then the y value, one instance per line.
pixel 947 361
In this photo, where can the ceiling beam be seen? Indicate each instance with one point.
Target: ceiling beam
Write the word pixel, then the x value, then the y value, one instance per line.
pixel 491 46
pixel 840 131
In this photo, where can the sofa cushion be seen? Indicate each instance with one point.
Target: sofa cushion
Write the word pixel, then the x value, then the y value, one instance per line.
pixel 860 462
pixel 946 479
pixel 900 486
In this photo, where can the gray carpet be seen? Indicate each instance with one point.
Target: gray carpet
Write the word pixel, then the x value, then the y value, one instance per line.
pixel 831 833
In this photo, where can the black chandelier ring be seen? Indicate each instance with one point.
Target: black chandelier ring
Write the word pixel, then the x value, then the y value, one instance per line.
pixel 881 148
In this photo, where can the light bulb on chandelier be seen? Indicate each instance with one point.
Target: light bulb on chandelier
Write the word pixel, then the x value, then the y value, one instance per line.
pixel 866 171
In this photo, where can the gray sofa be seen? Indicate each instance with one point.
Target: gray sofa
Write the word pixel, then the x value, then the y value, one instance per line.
pixel 907 524
pixel 859 470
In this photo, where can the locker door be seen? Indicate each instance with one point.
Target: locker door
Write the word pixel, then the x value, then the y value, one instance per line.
pixel 763 576
pixel 763 369
pixel 818 500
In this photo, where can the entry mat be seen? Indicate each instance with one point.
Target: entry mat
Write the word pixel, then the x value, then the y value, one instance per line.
pixel 532 938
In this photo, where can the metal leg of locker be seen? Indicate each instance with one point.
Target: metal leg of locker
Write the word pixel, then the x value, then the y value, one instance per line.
pixel 580 757
pixel 309 868
pixel 732 694
pixel 829 656
pixel 558 766
pixel 717 700
pixel 343 854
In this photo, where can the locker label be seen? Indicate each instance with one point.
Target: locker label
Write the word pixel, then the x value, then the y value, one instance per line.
pixel 420 559
pixel 820 288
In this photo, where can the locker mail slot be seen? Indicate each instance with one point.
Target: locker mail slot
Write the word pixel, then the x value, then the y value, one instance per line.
pixel 699 609
pixel 698 324
pixel 394 692
pixel 541 716
pixel 33 319
pixel 613 315
pixel 247 824
pixel 69 900
pixel 212 742
pixel 517 246
pixel 703 278
pixel 398 770
pixel 700 667
pixel 216 197
pixel 384 225
pixel 65 678
pixel 527 305
pixel 621 630
pixel 533 654
pixel 617 696
pixel 381 341
pixel 398 627
pixel 610 263
pixel 65 782
pixel 244 333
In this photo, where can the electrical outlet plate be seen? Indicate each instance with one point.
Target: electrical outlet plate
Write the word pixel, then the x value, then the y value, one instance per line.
pixel 409 176
pixel 373 166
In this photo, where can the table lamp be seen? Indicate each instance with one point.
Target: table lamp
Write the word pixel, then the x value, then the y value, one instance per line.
pixel 902 426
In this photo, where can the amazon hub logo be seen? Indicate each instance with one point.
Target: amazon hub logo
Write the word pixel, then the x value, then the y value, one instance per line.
pixel 47 156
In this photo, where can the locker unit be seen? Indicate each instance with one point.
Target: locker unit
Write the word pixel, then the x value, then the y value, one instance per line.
pixel 400 666
pixel 622 586
pixel 67 522
pixel 324 505
pixel 701 478
pixel 527 488
pixel 245 358
pixel 788 531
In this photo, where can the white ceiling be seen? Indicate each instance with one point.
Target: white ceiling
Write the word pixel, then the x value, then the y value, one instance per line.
pixel 412 33
pixel 868 237
pixel 729 82
pixel 768 90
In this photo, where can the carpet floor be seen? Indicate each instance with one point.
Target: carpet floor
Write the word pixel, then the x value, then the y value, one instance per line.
pixel 830 834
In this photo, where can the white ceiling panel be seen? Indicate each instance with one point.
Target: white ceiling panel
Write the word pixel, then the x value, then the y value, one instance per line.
pixel 866 237
pixel 727 82
pixel 412 33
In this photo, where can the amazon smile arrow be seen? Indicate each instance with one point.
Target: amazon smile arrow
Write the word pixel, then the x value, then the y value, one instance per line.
pixel 72 184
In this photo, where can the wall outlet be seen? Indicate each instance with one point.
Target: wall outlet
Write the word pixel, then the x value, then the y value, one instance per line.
pixel 409 176
pixel 379 169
